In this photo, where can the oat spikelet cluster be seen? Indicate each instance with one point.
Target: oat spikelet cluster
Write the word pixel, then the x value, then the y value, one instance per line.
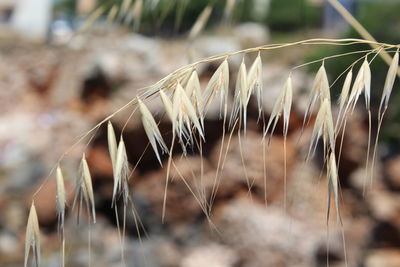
pixel 32 237
pixel 84 190
pixel 218 85
pixel 119 161
pixel 283 106
pixel 362 83
pixel 151 129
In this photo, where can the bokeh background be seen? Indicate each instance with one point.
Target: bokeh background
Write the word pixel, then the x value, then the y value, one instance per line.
pixel 57 82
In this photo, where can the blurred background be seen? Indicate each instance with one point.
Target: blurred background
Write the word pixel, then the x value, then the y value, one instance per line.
pixel 58 81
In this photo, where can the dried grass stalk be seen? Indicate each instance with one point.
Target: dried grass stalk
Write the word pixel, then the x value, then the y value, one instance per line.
pixel 32 237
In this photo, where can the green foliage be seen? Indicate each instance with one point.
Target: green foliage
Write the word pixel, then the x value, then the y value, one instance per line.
pixel 291 15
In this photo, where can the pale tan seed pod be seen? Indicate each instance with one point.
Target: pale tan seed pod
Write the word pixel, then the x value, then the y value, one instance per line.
pixel 112 143
pixel 193 91
pixel 167 105
pixel 283 105
pixel 287 104
pixel 200 22
pixel 323 126
pixel 362 83
pixel 32 237
pixel 121 173
pixel 84 189
pixel 344 94
pixel 333 182
pixel 185 113
pixel 254 78
pixel 219 83
pixel 151 129
pixel 242 96
pixel 389 82
pixel 61 198
pixel 320 90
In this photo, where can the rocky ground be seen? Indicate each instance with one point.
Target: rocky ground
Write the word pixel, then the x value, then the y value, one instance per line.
pixel 52 94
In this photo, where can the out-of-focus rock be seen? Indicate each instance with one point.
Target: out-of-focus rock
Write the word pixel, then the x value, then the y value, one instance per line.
pixel 212 255
pixel 252 34
pixel 392 170
pixel 383 258
pixel 265 236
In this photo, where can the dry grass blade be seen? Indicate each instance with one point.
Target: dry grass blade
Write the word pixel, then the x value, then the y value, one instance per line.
pixel 389 82
pixel 121 173
pixel 32 237
pixel 61 199
pixel 92 18
pixel 200 22
pixel 151 129
pixel 254 78
pixel 229 7
pixel 84 189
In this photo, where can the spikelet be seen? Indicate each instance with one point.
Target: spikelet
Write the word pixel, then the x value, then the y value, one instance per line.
pixel 344 95
pixel 254 78
pixel 32 237
pixel 200 22
pixel 184 114
pixel 242 96
pixel 151 129
pixel 282 105
pixel 333 181
pixel 389 82
pixel 112 143
pixel 61 199
pixel 323 127
pixel 219 83
pixel 167 105
pixel 193 91
pixel 320 90
pixel 361 83
pixel 84 189
pixel 121 173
